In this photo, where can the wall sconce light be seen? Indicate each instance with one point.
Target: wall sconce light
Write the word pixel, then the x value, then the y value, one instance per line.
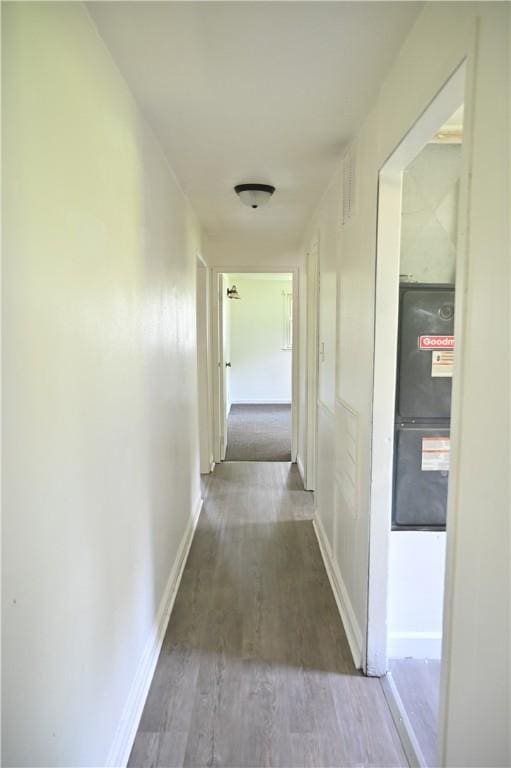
pixel 254 195
pixel 232 293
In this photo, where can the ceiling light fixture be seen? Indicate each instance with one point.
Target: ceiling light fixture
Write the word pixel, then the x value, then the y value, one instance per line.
pixel 254 195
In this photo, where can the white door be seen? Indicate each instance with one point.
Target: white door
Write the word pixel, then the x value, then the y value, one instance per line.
pixel 223 364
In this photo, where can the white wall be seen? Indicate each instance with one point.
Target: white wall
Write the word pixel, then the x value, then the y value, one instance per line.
pixel 324 228
pixel 476 645
pixel 100 455
pixel 415 594
pixel 261 368
pixel 430 215
pixel 256 253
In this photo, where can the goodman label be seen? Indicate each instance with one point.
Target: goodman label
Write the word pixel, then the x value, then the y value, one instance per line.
pixel 436 454
pixel 436 342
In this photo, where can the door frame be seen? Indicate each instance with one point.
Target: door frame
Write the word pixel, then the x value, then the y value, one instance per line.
pixel 312 361
pixel 203 327
pixel 445 103
pixel 217 350
pixel 217 367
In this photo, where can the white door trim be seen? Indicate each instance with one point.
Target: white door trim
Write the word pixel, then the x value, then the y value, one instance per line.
pixel 203 365
pixel 450 97
pixel 312 324
pixel 217 362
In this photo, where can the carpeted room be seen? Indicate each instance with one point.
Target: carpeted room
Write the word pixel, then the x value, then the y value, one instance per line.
pixel 258 346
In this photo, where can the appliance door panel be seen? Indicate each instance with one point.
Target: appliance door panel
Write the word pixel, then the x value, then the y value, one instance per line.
pixel 424 312
pixel 420 476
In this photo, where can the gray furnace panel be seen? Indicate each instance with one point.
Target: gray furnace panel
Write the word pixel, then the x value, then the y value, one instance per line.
pixel 420 495
pixel 423 312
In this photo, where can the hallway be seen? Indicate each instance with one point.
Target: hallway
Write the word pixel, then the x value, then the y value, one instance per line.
pixel 158 156
pixel 255 669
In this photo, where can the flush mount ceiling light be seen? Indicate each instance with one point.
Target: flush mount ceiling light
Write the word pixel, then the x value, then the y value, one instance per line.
pixel 254 195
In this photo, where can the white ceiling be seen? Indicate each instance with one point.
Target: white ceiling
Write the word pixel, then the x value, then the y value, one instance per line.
pixel 254 91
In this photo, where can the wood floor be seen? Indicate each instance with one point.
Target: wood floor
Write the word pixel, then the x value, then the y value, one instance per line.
pixel 255 669
pixel 418 684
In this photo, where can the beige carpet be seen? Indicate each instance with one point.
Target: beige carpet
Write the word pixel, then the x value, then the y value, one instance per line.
pixel 259 433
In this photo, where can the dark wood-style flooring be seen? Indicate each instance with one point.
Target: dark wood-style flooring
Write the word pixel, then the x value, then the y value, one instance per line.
pixel 418 684
pixel 255 669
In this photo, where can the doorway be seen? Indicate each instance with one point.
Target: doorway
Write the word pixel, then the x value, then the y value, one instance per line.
pixel 204 394
pixel 416 305
pixel 312 362
pixel 256 365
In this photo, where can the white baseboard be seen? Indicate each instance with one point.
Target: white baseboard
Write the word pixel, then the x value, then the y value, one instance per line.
pixel 351 627
pixel 209 469
pixel 418 645
pixel 402 722
pixel 125 736
pixel 301 469
pixel 261 402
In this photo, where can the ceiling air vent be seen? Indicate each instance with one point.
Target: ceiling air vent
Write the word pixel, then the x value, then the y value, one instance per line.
pixel 348 186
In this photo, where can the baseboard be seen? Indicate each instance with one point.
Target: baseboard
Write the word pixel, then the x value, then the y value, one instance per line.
pixel 411 746
pixel 418 645
pixel 209 468
pixel 261 402
pixel 125 736
pixel 351 627
pixel 301 469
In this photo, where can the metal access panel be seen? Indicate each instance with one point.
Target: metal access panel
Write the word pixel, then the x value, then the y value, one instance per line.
pixel 425 311
pixel 421 477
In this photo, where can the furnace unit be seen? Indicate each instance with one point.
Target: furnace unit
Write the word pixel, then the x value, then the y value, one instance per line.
pixel 423 406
